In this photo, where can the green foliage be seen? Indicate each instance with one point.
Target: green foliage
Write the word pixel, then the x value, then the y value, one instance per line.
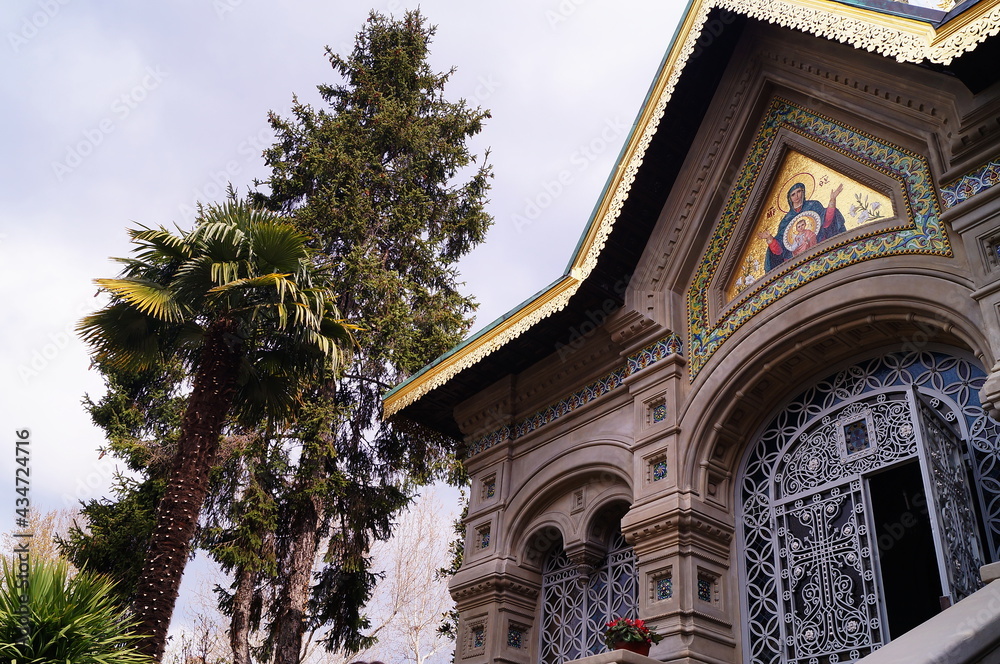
pixel 449 621
pixel 376 181
pixel 239 264
pixel 238 306
pixel 382 181
pixel 140 414
pixel 381 184
pixel 74 619
pixel 117 535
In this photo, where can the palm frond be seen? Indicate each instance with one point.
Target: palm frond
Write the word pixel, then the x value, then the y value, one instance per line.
pixel 151 298
pixel 73 619
pixel 278 247
pixel 281 283
pixel 238 262
pixel 123 337
pixel 224 272
pixel 159 243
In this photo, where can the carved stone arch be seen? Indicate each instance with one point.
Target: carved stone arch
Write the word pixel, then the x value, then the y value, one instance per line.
pixel 610 505
pixel 587 582
pixel 564 476
pixel 538 540
pixel 761 366
pixel 599 528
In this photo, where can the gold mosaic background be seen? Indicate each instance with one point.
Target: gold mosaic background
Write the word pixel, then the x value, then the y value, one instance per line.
pixel 858 204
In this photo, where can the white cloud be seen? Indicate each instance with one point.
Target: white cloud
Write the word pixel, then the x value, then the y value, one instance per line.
pixel 551 88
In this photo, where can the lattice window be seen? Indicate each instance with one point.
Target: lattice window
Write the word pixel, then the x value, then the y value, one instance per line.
pixel 804 516
pixel 574 613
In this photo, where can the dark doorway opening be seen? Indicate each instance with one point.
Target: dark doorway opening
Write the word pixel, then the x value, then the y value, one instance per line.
pixel 911 581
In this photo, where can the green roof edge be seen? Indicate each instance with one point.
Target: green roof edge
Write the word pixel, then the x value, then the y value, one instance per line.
pixel 579 244
pixel 468 340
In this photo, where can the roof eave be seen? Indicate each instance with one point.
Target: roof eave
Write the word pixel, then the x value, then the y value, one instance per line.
pixel 861 27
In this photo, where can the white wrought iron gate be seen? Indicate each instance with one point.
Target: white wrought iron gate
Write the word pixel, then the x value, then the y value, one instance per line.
pixel 812 583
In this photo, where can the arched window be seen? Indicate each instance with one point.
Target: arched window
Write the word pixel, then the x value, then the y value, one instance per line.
pixel 861 508
pixel 578 602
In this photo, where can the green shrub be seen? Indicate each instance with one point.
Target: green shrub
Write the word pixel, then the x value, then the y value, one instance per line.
pixel 66 620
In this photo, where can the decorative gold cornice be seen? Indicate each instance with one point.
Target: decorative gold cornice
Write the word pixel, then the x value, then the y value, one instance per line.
pixel 482 345
pixel 904 39
pixel 967 30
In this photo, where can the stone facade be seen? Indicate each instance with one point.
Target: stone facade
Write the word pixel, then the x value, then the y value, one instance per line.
pixel 647 423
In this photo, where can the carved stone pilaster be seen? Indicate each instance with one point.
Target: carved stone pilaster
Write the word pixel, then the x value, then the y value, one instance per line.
pixel 989 395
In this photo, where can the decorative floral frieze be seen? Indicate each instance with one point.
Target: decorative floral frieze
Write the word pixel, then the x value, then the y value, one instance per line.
pixel 641 359
pixel 971 184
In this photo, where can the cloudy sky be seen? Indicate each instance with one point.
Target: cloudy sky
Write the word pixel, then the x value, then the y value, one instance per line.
pixel 132 114
pixel 124 113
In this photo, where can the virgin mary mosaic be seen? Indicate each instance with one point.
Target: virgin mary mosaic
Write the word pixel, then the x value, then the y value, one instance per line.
pixel 808 204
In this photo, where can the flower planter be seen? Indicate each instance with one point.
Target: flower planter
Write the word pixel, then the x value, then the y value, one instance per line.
pixel 641 648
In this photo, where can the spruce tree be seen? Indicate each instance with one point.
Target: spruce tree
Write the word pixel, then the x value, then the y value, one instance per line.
pixel 382 179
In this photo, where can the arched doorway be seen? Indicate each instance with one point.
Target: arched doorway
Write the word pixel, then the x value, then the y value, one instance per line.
pixel 865 503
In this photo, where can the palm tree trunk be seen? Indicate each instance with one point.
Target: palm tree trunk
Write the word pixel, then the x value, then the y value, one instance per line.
pixel 177 515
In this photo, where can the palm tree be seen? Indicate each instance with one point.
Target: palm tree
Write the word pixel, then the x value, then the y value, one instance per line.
pixel 58 618
pixel 239 303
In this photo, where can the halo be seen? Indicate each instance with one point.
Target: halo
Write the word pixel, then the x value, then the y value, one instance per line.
pixel 803 177
pixel 812 223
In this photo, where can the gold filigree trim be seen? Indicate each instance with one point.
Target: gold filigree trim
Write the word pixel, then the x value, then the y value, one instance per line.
pixel 479 347
pixel 905 40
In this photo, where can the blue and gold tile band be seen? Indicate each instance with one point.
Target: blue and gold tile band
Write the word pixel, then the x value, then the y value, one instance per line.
pixel 647 356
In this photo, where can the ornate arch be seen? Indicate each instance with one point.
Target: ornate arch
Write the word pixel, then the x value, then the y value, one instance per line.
pixel 601 482
pixel 585 588
pixel 871 386
pixel 913 310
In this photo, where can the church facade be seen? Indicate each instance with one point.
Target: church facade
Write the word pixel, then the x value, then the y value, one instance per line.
pixel 760 409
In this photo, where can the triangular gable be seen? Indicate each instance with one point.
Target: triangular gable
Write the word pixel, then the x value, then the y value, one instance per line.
pixel 917 228
pixel 832 202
